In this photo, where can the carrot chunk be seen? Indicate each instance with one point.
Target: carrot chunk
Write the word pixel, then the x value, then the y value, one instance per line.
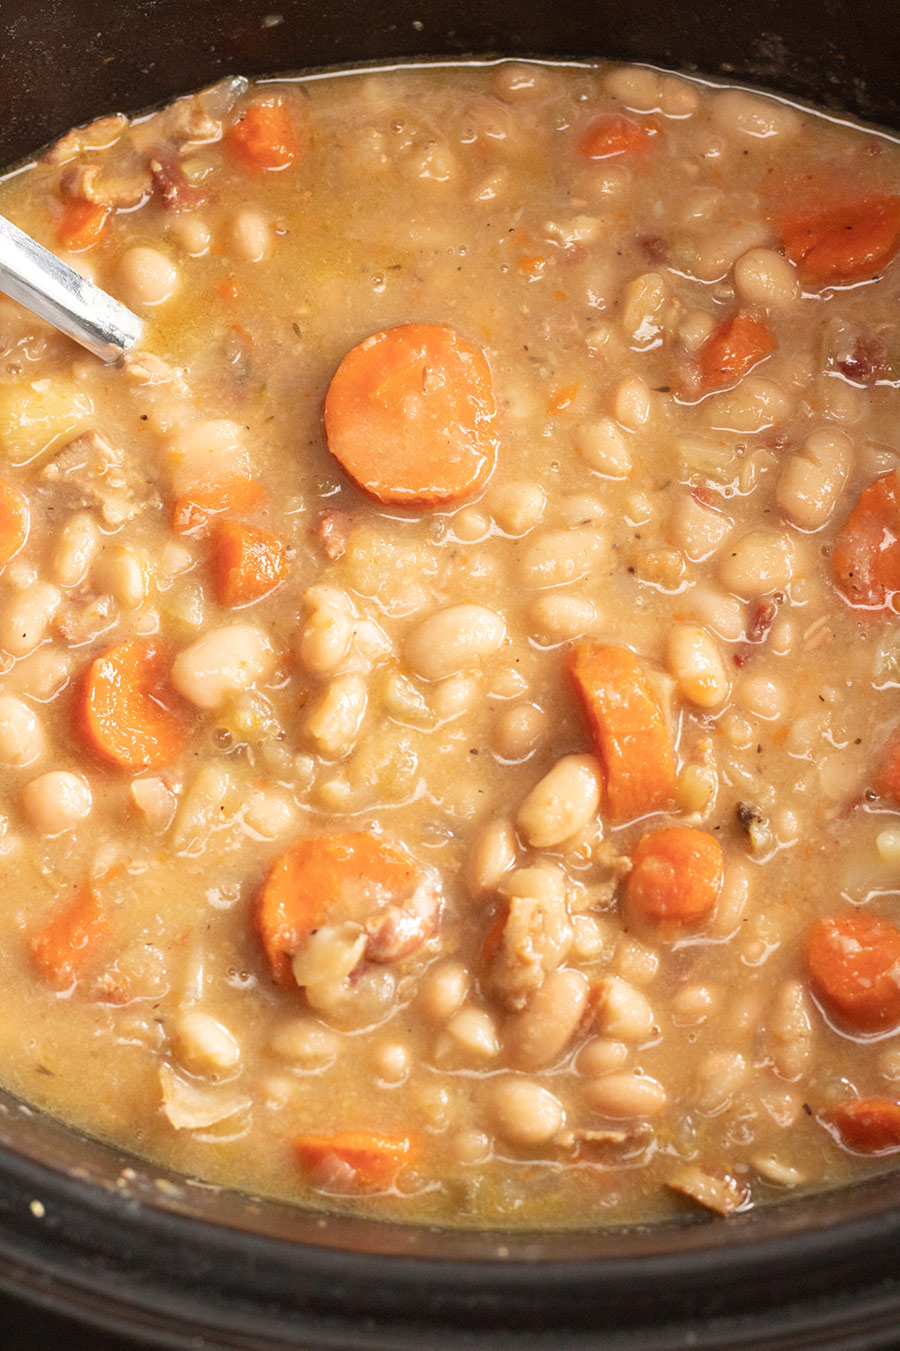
pixel 247 563
pixel 676 874
pixel 263 138
pixel 886 781
pixel 628 729
pixel 615 135
pixel 843 241
pixel 81 224
pixel 375 1159
pixel 854 969
pixel 733 349
pixel 865 560
pixel 62 947
pixel 125 713
pixel 328 879
pixel 869 1126
pixel 15 522
pixel 410 414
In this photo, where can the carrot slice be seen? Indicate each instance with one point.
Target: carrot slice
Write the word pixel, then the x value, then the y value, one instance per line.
pixel 844 241
pixel 676 874
pixel 247 563
pixel 124 710
pixel 886 782
pixel 733 349
pixel 81 224
pixel 854 969
pixel 628 729
pixel 867 1126
pixel 193 510
pixel 375 1159
pixel 263 137
pixel 62 947
pixel 865 560
pixel 15 522
pixel 410 414
pixel 327 878
pixel 615 135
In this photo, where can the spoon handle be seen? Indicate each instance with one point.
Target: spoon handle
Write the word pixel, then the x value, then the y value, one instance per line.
pixel 51 289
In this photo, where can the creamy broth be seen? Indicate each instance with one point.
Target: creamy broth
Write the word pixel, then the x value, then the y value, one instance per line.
pixel 478 847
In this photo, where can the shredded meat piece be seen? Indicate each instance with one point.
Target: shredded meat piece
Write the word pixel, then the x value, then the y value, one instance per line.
pixel 94 184
pixel 867 363
pixel 536 936
pixel 332 532
pixel 185 122
pixel 172 188
pixel 398 930
pixel 721 1192
pixel 98 135
pixel 760 627
pixel 101 477
pixel 755 823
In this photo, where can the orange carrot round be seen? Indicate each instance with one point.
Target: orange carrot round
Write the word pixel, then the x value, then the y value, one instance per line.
pixel 410 414
pixel 62 946
pixel 733 349
pixel 263 138
pixel 843 241
pixel 865 560
pixel 15 522
pixel 866 1126
pixel 854 969
pixel 328 879
pixel 676 874
pixel 628 729
pixel 247 563
pixel 125 713
pixel 81 224
pixel 375 1159
pixel 615 135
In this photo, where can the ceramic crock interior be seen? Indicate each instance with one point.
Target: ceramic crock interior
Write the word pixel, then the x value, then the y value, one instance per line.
pixel 93 1230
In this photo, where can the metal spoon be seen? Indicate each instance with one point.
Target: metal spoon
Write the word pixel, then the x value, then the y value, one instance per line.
pixel 54 291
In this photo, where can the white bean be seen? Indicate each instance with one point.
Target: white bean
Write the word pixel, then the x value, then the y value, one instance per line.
pixel 758 563
pixel 21 735
pixel 453 640
pixel 326 636
pixel 538 1035
pixel 335 721
pixel 74 550
pixel 696 663
pixel 753 117
pixel 754 406
pixel 522 1112
pixel 714 252
pixel 626 1095
pixel 123 573
pixel 622 1012
pixel 561 616
pixel 57 801
pixel 631 403
pixel 221 663
pixel 147 276
pixel 518 506
pixel 251 235
pixel 473 1031
pixel 564 801
pixel 718 611
pixel 811 481
pixel 442 991
pixel 601 1056
pixel 25 617
pixel 560 557
pixel 698 530
pixel 493 855
pixel 203 1044
pixel 518 731
pixel 764 277
pixel 604 446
